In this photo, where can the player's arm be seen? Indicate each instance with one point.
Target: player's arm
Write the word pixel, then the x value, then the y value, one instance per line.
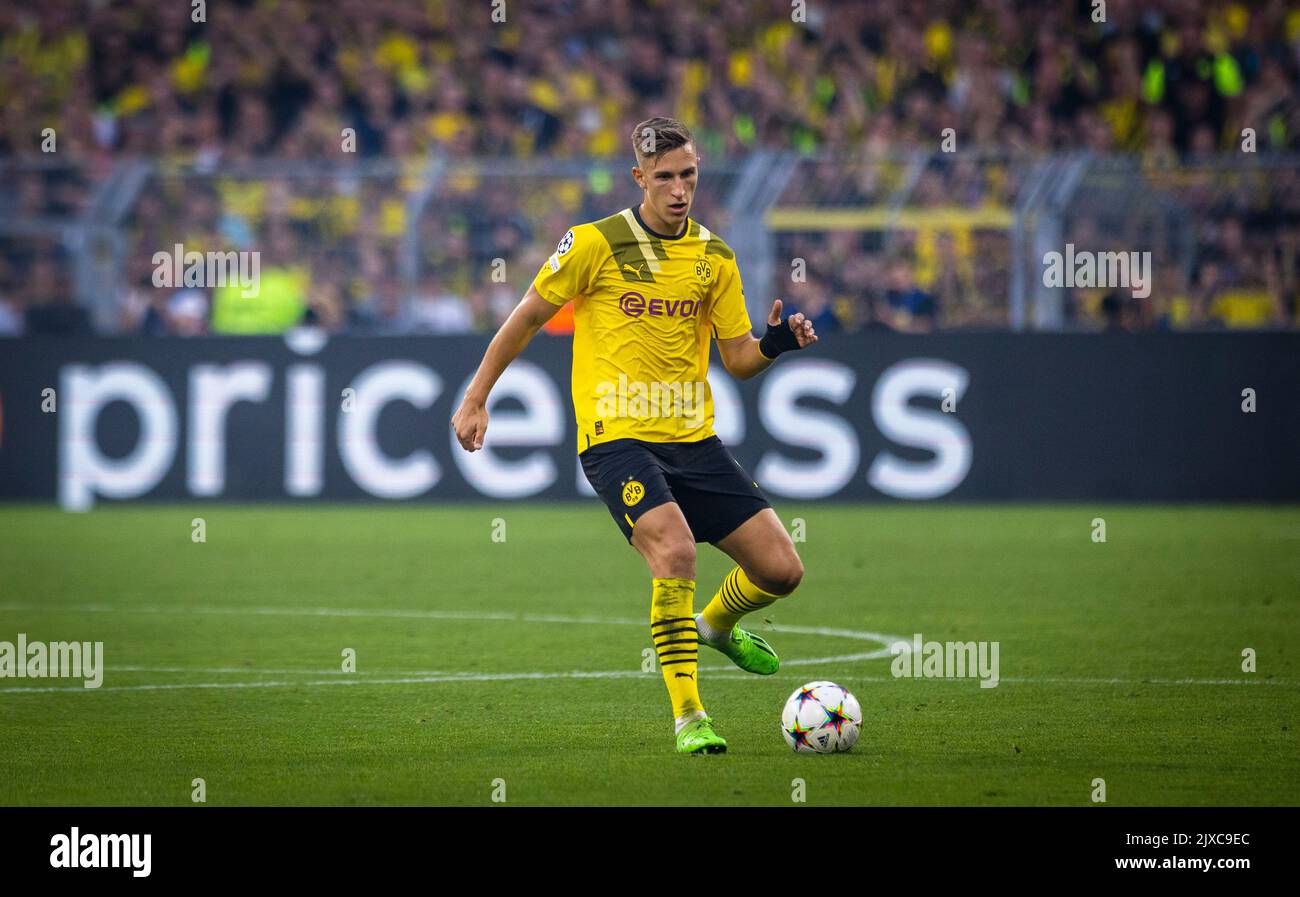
pixel 471 418
pixel 744 356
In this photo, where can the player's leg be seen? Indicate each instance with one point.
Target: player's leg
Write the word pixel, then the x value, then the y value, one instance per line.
pixel 664 539
pixel 628 476
pixel 725 507
pixel 765 553
pixel 767 569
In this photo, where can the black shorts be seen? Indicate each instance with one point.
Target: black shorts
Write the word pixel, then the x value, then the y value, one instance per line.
pixel 715 493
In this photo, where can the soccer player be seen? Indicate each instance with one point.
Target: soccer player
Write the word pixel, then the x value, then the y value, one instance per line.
pixel 650 286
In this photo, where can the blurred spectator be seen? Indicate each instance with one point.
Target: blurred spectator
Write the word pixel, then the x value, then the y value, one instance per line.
pixel 910 309
pixel 436 309
pixel 279 301
pixel 812 299
pixel 11 317
pixel 285 78
pixel 49 306
pixel 11 312
pixel 859 84
pixel 183 313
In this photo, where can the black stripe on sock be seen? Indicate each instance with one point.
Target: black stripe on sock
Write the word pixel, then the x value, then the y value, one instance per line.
pixel 746 601
pixel 665 622
pixel 728 600
pixel 673 631
pixel 677 641
pixel 691 651
pixel 732 588
pixel 668 663
pixel 740 606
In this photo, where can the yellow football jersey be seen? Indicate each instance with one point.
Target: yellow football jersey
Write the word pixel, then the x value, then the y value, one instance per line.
pixel 645 307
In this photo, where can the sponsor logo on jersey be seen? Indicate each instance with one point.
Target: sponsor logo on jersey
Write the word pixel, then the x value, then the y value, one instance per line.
pixel 634 305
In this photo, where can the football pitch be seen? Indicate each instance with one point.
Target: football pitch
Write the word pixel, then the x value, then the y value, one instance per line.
pixel 499 652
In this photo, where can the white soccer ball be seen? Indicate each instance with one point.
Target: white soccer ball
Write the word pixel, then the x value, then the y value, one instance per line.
pixel 821 718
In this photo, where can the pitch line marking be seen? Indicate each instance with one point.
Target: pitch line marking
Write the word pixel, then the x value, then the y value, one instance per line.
pixel 423 676
pixel 478 616
pixel 722 673
pixel 729 674
pixel 417 677
pixel 475 616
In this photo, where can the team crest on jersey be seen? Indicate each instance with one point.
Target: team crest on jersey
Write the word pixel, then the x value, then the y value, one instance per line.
pixel 704 270
pixel 633 492
pixel 566 243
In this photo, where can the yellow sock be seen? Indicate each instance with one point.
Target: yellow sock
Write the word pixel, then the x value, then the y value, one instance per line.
pixel 672 627
pixel 737 597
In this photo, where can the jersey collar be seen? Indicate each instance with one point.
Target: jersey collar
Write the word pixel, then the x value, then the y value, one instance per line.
pixel 636 211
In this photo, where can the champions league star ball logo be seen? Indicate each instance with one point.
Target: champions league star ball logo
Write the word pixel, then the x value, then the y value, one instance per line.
pixel 566 243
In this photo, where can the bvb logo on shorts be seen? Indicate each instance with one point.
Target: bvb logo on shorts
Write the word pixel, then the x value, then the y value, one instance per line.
pixel 704 270
pixel 633 492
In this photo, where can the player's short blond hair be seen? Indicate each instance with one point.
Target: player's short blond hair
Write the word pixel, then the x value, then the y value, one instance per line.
pixel 656 136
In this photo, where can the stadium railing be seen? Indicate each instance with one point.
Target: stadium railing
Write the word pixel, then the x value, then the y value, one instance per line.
pixel 971 228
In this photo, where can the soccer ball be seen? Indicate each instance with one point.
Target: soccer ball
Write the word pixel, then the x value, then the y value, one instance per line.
pixel 821 718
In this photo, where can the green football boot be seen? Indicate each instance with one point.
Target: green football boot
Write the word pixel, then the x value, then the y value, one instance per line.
pixel 698 737
pixel 748 651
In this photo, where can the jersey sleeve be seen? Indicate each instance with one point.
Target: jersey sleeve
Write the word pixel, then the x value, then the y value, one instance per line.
pixel 571 269
pixel 730 318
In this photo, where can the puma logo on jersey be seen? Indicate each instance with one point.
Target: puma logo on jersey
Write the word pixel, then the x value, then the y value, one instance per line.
pixel 635 269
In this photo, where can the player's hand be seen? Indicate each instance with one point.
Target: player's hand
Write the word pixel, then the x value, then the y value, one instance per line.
pixel 470 423
pixel 802 327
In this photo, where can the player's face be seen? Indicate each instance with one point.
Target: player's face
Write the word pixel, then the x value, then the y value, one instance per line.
pixel 669 184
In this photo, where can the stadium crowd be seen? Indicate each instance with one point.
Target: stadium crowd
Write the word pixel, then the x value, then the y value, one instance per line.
pixel 284 81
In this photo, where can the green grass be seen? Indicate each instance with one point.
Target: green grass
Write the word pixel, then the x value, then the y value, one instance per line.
pixel 1094 640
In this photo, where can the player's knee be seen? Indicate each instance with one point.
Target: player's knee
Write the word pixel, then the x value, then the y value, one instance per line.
pixel 781 577
pixel 677 557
